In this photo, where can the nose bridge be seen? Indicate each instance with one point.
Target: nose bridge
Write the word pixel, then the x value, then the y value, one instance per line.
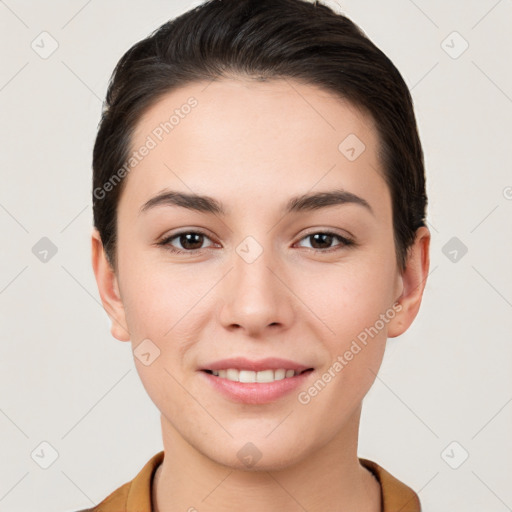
pixel 252 277
pixel 254 297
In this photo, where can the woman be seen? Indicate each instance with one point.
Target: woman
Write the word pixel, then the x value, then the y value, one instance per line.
pixel 259 209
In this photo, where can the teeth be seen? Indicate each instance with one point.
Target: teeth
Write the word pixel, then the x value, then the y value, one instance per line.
pixel 250 376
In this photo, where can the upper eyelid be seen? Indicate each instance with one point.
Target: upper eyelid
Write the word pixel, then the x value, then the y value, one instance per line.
pixel 167 239
pixel 345 240
pixel 327 231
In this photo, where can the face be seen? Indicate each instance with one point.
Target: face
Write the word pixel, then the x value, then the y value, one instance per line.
pixel 267 265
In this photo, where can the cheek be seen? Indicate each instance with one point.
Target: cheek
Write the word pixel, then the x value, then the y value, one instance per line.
pixel 348 298
pixel 158 298
pixel 354 303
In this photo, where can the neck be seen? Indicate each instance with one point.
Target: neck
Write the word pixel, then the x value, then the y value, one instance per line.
pixel 330 477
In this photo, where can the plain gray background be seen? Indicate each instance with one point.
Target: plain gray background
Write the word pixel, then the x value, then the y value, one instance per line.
pixel 445 387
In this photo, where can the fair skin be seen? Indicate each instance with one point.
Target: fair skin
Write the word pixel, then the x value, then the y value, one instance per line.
pixel 252 146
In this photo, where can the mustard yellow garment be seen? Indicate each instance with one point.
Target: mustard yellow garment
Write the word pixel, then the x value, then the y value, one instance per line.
pixel 135 496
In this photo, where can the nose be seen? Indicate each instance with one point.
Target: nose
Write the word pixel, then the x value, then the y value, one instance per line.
pixel 256 295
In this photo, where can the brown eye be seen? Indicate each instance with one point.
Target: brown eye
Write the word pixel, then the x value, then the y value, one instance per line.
pixel 187 241
pixel 322 241
pixel 191 240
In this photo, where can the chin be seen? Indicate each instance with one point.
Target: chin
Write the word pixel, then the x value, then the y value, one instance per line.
pixel 257 455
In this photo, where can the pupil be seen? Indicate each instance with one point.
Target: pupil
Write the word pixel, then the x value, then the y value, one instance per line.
pixel 323 238
pixel 188 239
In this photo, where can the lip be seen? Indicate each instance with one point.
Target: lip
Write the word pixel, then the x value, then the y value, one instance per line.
pixel 255 393
pixel 242 363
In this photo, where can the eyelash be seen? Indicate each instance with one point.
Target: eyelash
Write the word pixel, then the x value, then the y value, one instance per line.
pixel 345 242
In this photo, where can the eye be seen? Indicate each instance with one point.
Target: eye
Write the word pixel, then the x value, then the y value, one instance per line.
pixel 321 240
pixel 190 242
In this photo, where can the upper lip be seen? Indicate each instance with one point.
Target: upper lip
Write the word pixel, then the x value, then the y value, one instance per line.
pixel 242 363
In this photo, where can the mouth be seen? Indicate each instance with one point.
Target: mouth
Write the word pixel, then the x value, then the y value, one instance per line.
pixel 251 376
pixel 256 382
pixel 242 369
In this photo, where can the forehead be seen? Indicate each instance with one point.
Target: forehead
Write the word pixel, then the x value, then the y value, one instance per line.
pixel 234 137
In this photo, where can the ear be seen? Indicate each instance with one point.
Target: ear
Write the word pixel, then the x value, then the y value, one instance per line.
pixel 413 280
pixel 108 288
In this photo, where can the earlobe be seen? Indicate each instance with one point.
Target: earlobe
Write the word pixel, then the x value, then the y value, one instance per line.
pixel 108 288
pixel 413 281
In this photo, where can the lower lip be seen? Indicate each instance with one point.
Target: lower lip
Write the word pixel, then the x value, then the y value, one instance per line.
pixel 256 393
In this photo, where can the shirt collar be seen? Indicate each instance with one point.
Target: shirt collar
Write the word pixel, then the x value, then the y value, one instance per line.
pixel 395 495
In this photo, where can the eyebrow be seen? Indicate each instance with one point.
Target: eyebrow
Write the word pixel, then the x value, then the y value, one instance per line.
pixel 301 203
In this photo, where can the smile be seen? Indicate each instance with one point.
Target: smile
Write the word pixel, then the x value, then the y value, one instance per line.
pixel 248 376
